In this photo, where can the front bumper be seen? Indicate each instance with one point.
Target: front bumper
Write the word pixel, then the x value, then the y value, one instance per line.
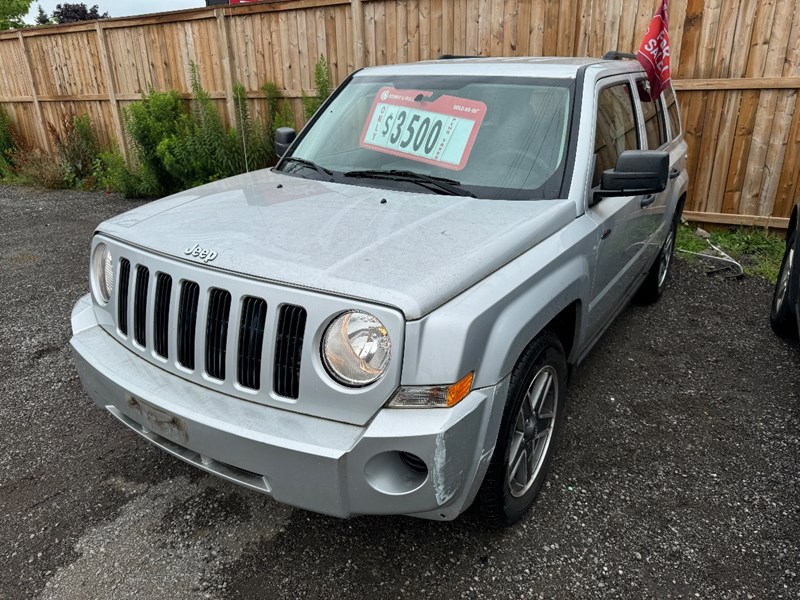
pixel 317 464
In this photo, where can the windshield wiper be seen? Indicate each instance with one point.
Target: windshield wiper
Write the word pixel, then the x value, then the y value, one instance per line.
pixel 308 163
pixel 443 185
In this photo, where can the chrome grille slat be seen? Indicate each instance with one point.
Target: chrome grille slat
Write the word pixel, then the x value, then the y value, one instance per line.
pixel 232 339
pixel 122 295
pixel 140 305
pixel 251 342
pixel 288 350
pixel 219 306
pixel 172 323
pixel 161 314
pixel 187 323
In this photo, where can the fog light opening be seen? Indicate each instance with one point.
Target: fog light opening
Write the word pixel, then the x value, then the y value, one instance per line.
pixel 413 462
pixel 396 473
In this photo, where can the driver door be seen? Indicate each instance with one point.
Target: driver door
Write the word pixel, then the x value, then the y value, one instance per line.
pixel 623 223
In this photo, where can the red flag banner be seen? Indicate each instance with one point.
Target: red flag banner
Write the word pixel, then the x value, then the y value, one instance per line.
pixel 654 52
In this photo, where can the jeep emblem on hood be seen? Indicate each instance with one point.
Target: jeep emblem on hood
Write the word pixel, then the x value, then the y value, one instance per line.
pixel 201 253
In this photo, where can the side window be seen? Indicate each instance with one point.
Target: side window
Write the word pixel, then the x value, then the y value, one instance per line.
pixel 616 129
pixel 672 108
pixel 654 124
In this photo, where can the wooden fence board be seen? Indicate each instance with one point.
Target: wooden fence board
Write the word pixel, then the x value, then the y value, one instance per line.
pixel 736 66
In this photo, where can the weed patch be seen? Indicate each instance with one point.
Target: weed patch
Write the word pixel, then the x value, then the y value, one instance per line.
pixel 758 251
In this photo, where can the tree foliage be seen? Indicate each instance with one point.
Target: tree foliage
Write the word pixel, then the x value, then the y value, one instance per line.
pixel 72 13
pixel 11 13
pixel 42 18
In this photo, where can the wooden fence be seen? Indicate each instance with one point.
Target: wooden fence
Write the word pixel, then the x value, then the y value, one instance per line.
pixel 736 64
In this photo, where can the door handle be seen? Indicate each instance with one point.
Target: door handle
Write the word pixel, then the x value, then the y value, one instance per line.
pixel 674 173
pixel 648 200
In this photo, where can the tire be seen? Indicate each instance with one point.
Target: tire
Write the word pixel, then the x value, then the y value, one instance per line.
pixel 507 493
pixel 656 281
pixel 781 317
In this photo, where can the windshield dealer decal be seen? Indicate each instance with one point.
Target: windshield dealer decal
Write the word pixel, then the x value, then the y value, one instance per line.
pixel 440 132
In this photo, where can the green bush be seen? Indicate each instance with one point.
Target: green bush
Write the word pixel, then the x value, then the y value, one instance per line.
pixel 200 150
pixel 77 148
pixel 148 121
pixel 252 138
pixel 279 114
pixel 8 142
pixel 322 81
pixel 111 173
pixel 172 148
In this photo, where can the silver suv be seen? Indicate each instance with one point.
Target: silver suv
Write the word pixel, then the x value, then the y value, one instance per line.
pixel 385 322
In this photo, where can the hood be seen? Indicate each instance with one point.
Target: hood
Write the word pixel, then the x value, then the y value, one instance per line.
pixel 407 250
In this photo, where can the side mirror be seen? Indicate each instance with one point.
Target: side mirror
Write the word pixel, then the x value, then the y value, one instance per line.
pixel 284 136
pixel 638 172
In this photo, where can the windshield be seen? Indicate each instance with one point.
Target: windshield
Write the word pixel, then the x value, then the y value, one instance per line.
pixel 489 137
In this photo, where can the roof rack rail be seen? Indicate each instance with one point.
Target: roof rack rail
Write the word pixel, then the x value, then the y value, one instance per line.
pixel 617 55
pixel 454 56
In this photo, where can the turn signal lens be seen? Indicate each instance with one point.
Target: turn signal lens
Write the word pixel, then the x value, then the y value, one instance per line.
pixel 459 390
pixel 440 396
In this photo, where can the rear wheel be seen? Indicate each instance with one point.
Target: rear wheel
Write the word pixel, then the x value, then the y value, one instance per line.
pixel 656 281
pixel 529 430
pixel 781 317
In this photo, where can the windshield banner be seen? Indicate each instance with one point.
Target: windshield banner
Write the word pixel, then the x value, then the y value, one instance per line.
pixel 406 123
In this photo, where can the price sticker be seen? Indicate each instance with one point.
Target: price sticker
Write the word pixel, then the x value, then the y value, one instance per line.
pixel 405 123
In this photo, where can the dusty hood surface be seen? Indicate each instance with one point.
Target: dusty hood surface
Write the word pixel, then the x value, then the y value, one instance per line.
pixel 413 251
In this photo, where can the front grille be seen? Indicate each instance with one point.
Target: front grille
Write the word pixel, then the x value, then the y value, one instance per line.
pixel 140 306
pixel 161 314
pixel 187 322
pixel 219 308
pixel 122 304
pixel 209 334
pixel 251 340
pixel 288 349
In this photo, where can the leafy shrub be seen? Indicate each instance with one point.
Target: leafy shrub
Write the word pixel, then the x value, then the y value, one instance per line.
pixel 200 150
pixel 155 117
pixel 8 141
pixel 111 173
pixel 174 148
pixel 77 148
pixel 322 81
pixel 252 138
pixel 279 114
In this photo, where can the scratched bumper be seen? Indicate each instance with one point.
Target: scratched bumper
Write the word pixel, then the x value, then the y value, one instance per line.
pixel 308 462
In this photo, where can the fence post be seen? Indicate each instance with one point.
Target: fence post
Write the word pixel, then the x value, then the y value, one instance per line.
pixel 357 10
pixel 224 42
pixel 102 49
pixel 40 126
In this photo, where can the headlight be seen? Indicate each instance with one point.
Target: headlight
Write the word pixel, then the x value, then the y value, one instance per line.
pixel 103 272
pixel 356 349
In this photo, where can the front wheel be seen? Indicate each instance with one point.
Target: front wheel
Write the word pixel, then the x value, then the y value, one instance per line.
pixel 529 429
pixel 656 281
pixel 781 317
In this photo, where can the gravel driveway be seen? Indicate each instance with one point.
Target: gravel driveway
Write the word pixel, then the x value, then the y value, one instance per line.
pixel 678 474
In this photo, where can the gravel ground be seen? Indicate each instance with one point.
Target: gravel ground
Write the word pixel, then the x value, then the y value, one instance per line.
pixel 677 476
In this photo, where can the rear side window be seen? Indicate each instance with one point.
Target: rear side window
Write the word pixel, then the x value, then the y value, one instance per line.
pixel 616 129
pixel 672 108
pixel 653 110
